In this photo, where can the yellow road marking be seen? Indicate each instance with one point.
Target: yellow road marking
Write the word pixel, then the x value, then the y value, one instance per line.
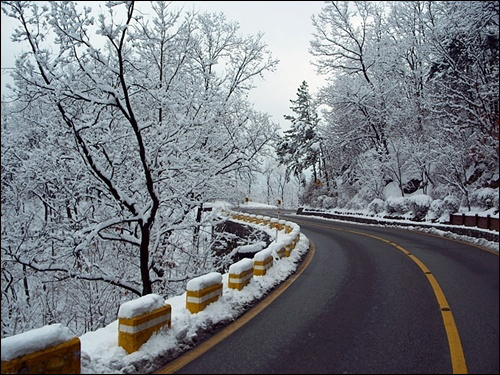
pixel 198 350
pixel 456 351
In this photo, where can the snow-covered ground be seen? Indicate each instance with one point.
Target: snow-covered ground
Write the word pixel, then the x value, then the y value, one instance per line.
pixel 100 350
pixel 256 205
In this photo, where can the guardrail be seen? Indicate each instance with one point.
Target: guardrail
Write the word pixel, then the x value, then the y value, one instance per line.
pixel 484 222
pixel 52 349
pixel 458 229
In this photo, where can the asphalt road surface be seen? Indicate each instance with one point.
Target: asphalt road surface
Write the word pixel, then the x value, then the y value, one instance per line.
pixel 372 300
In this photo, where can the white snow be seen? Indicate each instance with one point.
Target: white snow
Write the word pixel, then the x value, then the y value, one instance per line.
pixel 140 306
pixel 251 248
pixel 263 254
pixel 101 353
pixel 34 340
pixel 256 205
pixel 241 266
pixel 204 281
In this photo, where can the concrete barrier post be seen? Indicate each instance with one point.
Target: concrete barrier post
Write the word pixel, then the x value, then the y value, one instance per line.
pixel 289 246
pixel 140 318
pixel 262 261
pixel 202 291
pixel 281 224
pixel 273 223
pixel 51 349
pixel 288 227
pixel 240 273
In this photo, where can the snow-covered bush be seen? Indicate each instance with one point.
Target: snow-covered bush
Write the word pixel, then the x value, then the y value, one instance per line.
pixel 324 201
pixel 435 210
pixel 357 203
pixel 440 209
pixel 419 205
pixel 397 205
pixel 484 198
pixel 376 206
pixel 415 206
pixel 451 204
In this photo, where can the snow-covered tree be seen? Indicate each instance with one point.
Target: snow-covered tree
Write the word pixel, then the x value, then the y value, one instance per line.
pixel 122 128
pixel 464 76
pixel 299 148
pixel 411 87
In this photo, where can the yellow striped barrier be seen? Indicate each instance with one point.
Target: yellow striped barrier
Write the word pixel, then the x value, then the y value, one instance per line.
pixel 202 291
pixel 140 318
pixel 240 273
pixel 51 349
pixel 251 249
pixel 273 223
pixel 278 247
pixel 289 246
pixel 262 261
pixel 281 224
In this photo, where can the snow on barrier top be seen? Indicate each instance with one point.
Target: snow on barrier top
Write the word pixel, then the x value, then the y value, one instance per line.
pixel 204 281
pixel 140 306
pixel 252 248
pixel 34 340
pixel 241 266
pixel 263 255
pixel 281 243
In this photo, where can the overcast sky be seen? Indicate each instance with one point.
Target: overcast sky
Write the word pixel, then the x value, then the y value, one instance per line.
pixel 287 30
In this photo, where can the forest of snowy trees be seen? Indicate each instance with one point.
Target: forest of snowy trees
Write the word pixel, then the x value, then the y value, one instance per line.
pixel 411 106
pixel 121 128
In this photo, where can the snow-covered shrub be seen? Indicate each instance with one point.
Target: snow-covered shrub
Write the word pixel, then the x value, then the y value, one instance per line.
pixel 376 206
pixel 357 203
pixel 397 205
pixel 441 191
pixel 440 209
pixel 451 204
pixel 419 205
pixel 324 201
pixel 484 198
pixel 345 193
pixel 435 210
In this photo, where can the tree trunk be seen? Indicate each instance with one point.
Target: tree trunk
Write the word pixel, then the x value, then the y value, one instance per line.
pixel 146 281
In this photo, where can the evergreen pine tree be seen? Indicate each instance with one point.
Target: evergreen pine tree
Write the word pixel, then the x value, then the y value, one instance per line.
pixel 299 148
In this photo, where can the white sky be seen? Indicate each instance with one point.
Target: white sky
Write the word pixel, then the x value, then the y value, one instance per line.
pixel 287 30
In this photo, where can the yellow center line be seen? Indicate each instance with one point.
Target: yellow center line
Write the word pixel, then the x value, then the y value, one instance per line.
pixel 456 351
pixel 198 350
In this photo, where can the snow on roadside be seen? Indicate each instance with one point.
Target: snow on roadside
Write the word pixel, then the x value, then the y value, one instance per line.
pixel 431 229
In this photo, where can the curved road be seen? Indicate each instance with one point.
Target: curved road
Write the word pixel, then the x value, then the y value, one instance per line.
pixel 371 300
